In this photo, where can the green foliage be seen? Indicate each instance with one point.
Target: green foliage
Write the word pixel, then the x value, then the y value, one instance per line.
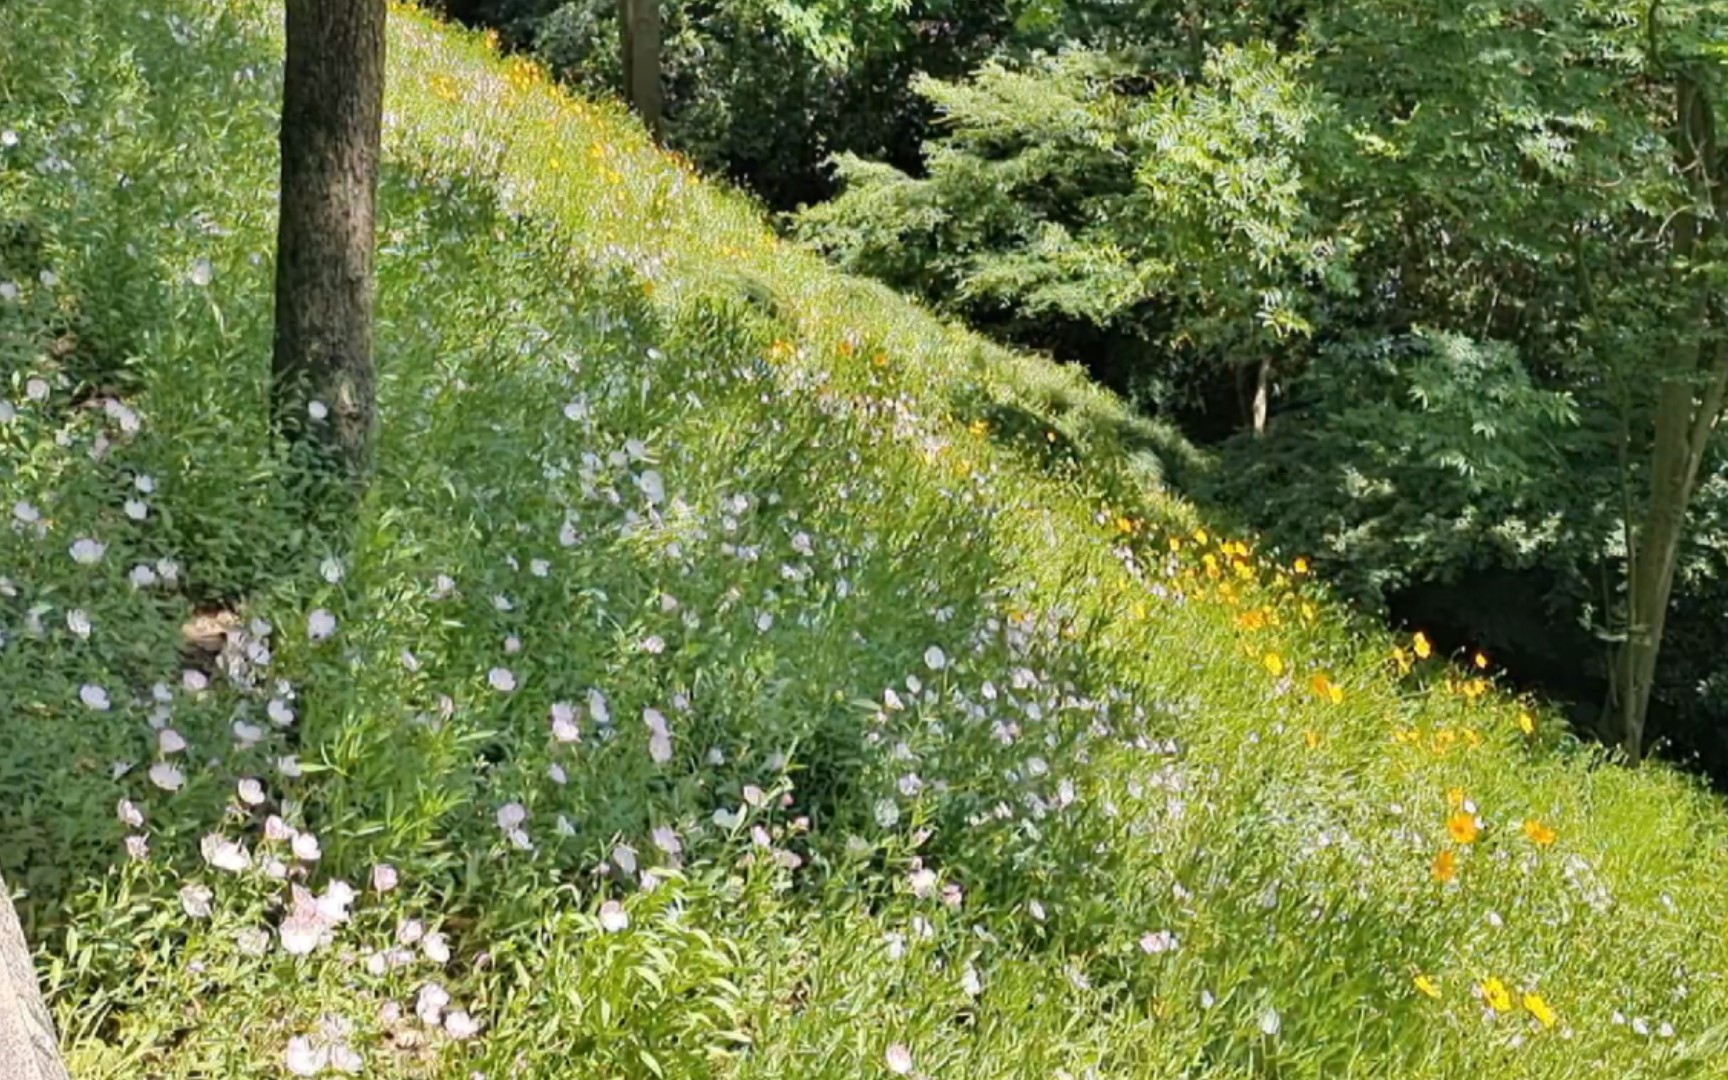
pixel 737 671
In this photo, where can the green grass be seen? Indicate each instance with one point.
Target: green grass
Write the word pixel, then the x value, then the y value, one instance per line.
pixel 959 715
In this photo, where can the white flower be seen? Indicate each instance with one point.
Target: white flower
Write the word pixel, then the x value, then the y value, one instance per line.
pixel 317 410
pixel 279 712
pixel 145 483
pixel 137 509
pixel 304 1057
pixel 384 878
pixel 129 814
pixel 8 138
pixel 138 847
pixel 557 774
pixel 300 932
pixel 195 900
pixel 660 748
pixel 251 792
pixel 88 552
pixel 429 1003
pixel 26 512
pixel 899 1059
pixel 598 708
pixel 625 857
pixel 170 741
pixel 142 577
pixel 935 659
pixel 224 854
pixel 765 621
pixel 539 567
pixel 653 487
pixel 331 570
pixel 666 839
pixel 305 847
pixel 1159 941
pixel 246 735
pixel 887 813
pixel 459 1025
pixel 564 726
pixel 93 697
pixel 37 389
pixel 436 948
pixel 195 681
pixel 511 816
pixel 320 625
pixel 613 917
pixel 502 679
pixel 1270 1021
pixel 201 273
pixel 347 1060
pixel 166 776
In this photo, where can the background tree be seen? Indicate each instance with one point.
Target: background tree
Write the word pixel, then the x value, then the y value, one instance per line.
pixel 639 31
pixel 28 1049
pixel 332 116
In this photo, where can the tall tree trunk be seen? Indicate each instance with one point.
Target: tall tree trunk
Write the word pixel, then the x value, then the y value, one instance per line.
pixel 639 33
pixel 28 1049
pixel 1689 401
pixel 332 116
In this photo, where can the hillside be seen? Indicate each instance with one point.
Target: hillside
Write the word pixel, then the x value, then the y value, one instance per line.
pixel 737 672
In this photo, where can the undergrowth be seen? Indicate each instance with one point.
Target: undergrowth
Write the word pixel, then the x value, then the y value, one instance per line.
pixel 733 672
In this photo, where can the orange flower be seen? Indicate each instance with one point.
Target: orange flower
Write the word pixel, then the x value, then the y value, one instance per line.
pixel 1424 649
pixel 1445 866
pixel 1539 833
pixel 1462 825
pixel 1326 689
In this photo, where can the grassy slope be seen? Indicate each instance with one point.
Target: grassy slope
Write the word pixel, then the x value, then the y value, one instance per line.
pixel 1124 731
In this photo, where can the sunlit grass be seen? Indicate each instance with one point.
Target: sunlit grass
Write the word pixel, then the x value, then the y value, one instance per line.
pixel 736 671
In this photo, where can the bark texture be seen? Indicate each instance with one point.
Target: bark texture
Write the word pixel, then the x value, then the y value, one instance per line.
pixel 28 1049
pixel 639 33
pixel 1690 398
pixel 332 117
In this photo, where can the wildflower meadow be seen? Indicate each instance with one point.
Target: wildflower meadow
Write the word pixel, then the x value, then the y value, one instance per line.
pixel 735 672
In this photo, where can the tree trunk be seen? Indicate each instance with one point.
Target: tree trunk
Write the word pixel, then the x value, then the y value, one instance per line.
pixel 1262 395
pixel 332 116
pixel 1689 400
pixel 639 33
pixel 28 1049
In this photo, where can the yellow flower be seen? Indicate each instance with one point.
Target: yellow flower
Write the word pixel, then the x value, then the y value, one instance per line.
pixel 1424 649
pixel 1274 663
pixel 1535 1006
pixel 1311 738
pixel 1427 986
pixel 1499 998
pixel 1455 797
pixel 1445 866
pixel 1481 660
pixel 1526 723
pixel 1326 689
pixel 1462 825
pixel 1301 565
pixel 1539 833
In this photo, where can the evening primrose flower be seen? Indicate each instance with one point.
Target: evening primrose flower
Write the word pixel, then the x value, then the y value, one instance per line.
pixel 613 917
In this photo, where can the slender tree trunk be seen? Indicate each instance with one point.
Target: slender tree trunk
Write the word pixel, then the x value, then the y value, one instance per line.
pixel 1689 401
pixel 28 1049
pixel 639 32
pixel 332 115
pixel 1262 395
